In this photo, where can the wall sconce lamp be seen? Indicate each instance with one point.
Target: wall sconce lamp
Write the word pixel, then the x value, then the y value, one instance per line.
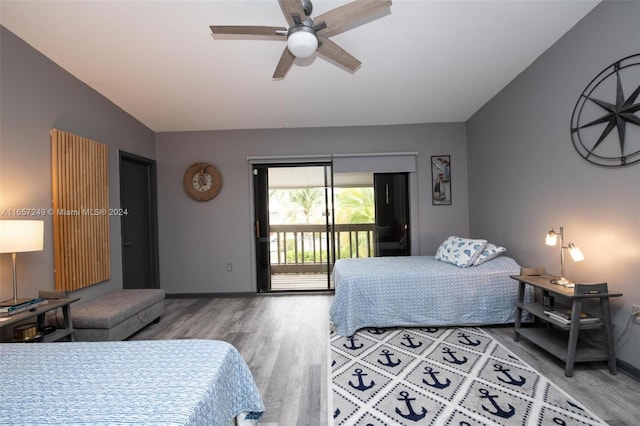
pixel 576 254
pixel 20 236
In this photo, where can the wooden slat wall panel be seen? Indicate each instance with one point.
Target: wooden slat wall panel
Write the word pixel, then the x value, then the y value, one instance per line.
pixel 81 211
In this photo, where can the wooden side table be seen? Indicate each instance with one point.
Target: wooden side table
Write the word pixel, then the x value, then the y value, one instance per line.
pixel 552 338
pixel 39 313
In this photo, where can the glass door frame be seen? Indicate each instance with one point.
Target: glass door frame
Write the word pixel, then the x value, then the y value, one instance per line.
pixel 262 232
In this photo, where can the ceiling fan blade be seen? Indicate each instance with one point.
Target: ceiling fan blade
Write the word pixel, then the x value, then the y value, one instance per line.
pixel 346 17
pixel 290 8
pixel 286 60
pixel 337 54
pixel 248 30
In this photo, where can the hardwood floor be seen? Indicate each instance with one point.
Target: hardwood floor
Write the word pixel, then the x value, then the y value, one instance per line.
pixel 284 339
pixel 614 398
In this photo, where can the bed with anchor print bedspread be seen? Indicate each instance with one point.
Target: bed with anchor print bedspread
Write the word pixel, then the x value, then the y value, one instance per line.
pixel 422 291
pixel 168 382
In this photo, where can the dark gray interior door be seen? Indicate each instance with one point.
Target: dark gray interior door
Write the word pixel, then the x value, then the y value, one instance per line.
pixel 139 227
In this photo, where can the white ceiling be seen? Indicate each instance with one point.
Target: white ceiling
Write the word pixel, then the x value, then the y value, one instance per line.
pixel 425 62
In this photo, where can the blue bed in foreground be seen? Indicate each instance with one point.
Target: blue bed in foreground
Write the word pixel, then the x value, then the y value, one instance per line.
pixel 421 291
pixel 168 382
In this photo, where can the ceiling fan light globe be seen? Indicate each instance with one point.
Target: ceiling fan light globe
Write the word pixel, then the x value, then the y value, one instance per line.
pixel 302 44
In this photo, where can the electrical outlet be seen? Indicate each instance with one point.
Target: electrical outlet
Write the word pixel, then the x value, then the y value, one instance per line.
pixel 229 267
pixel 635 312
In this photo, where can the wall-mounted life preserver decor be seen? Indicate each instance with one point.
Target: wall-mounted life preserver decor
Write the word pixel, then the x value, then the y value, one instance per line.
pixel 202 181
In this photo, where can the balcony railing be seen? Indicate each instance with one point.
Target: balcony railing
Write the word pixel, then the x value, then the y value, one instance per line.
pixel 306 248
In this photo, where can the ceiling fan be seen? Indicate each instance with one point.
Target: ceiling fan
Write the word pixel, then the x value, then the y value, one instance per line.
pixel 305 35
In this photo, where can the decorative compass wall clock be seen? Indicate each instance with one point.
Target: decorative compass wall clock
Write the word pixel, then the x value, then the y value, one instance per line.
pixel 605 125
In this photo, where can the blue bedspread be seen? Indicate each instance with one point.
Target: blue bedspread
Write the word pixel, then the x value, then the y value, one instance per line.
pixel 422 291
pixel 168 382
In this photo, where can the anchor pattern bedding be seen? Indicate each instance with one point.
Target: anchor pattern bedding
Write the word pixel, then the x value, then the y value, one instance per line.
pixel 422 291
pixel 169 382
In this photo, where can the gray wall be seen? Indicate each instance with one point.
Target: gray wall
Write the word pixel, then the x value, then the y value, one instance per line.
pixel 526 177
pixel 37 95
pixel 198 239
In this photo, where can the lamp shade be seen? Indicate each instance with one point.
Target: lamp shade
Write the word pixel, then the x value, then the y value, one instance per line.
pixel 21 235
pixel 302 44
pixel 552 238
pixel 575 253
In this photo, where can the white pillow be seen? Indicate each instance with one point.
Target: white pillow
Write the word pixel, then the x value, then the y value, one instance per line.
pixel 461 252
pixel 489 252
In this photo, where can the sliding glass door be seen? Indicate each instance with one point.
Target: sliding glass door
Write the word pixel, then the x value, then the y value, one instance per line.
pixel 307 216
pixel 294 215
pixel 371 215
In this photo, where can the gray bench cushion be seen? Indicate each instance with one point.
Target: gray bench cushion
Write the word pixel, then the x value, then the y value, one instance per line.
pixel 123 330
pixel 113 308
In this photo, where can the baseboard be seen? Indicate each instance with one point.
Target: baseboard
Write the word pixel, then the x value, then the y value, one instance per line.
pixel 207 295
pixel 628 369
pixel 296 292
pixel 244 294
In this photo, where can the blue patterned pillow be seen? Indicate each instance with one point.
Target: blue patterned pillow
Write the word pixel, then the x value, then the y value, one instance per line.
pixel 461 252
pixel 489 252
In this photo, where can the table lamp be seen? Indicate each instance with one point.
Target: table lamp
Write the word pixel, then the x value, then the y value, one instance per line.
pixel 576 254
pixel 20 236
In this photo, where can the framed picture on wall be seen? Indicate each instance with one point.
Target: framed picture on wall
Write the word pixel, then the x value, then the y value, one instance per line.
pixel 441 180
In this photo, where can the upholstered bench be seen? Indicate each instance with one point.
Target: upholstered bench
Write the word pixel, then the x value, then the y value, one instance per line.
pixel 116 315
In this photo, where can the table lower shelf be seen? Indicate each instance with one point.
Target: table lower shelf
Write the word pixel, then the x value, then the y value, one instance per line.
pixel 555 342
pixel 539 310
pixel 57 335
pixel 54 336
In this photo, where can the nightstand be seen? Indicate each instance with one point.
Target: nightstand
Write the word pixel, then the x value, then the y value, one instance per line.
pixel 40 312
pixel 561 339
